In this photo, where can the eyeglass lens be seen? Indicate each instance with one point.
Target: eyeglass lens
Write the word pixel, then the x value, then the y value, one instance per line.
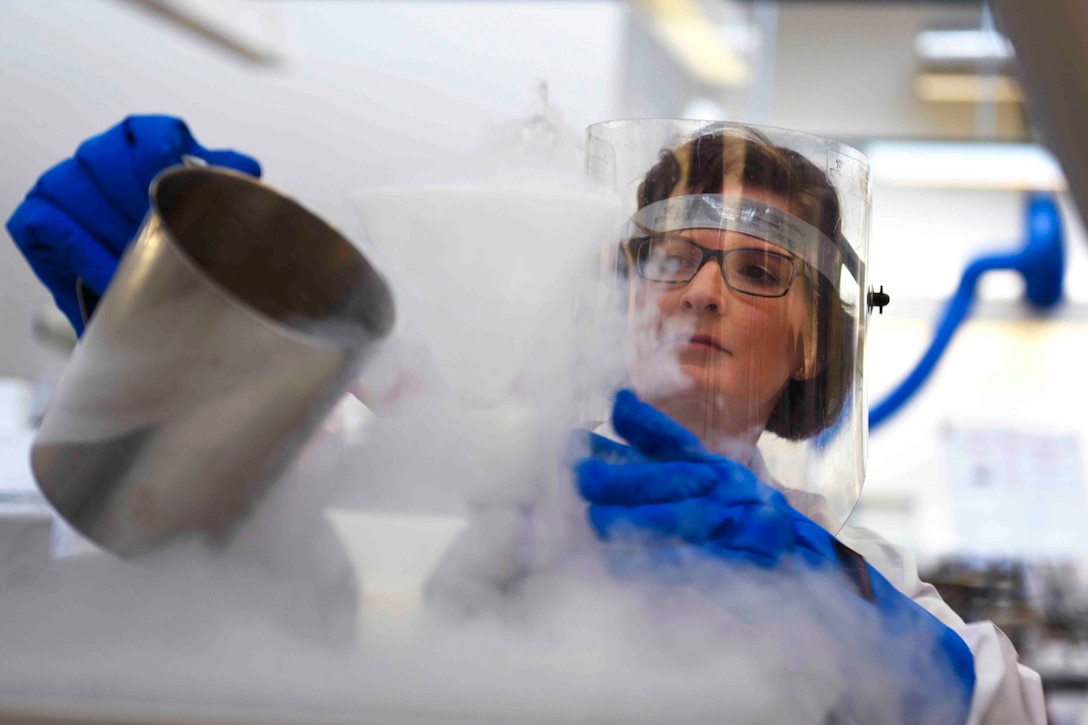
pixel 751 271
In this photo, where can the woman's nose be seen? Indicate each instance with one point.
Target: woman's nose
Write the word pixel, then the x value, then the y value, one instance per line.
pixel 706 292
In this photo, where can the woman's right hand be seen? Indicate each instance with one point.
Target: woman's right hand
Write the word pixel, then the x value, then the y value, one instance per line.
pixel 77 220
pixel 669 511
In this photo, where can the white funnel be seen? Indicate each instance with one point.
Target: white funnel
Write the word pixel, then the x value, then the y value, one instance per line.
pixel 482 269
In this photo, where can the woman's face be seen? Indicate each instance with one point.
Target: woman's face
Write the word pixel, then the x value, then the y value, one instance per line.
pixel 734 352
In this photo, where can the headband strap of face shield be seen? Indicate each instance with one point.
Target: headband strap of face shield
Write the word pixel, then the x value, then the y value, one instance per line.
pixel 754 218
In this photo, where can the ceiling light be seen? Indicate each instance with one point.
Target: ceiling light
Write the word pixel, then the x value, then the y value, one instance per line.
pixel 965 87
pixel 686 32
pixel 965 165
pixel 961 45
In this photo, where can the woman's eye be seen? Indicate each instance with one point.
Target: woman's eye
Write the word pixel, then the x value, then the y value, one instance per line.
pixel 674 262
pixel 758 273
pixel 668 261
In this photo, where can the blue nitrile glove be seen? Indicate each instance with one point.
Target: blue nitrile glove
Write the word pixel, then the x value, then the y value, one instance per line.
pixel 77 220
pixel 664 502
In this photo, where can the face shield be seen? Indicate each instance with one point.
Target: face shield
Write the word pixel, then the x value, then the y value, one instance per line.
pixel 733 297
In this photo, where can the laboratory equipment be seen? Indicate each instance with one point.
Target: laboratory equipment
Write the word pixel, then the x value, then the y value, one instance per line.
pixel 235 321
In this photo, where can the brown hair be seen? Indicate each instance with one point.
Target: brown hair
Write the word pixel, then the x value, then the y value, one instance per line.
pixel 708 163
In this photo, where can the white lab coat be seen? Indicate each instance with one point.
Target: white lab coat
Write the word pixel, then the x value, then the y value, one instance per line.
pixel 1006 692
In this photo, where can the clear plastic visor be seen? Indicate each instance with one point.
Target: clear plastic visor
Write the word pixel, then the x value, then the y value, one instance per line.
pixel 732 298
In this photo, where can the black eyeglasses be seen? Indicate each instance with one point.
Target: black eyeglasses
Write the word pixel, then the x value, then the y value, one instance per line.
pixel 676 260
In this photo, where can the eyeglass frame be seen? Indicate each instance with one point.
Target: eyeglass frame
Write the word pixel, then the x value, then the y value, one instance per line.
pixel 633 245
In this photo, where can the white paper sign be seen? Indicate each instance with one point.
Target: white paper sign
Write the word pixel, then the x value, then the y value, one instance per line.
pixel 1017 493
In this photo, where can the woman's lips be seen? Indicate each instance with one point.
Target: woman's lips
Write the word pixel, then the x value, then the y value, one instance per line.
pixel 706 341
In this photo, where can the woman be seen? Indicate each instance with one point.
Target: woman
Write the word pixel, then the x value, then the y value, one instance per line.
pixel 741 296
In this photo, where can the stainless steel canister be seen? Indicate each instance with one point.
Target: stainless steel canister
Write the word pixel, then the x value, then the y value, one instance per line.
pixel 235 321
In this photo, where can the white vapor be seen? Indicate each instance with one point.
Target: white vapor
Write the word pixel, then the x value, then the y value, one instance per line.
pixel 433 563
